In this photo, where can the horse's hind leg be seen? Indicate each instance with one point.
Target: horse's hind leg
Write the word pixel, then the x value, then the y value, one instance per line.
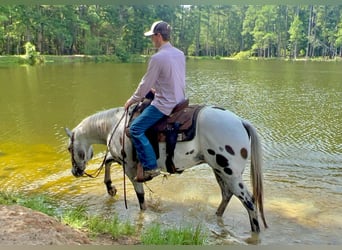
pixel 226 195
pixel 107 179
pixel 241 192
pixel 249 203
pixel 230 186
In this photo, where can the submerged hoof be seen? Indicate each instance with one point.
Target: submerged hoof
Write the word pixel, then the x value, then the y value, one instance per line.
pixel 112 191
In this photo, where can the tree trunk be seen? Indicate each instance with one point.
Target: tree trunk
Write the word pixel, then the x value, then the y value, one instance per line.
pixel 309 31
pixel 198 35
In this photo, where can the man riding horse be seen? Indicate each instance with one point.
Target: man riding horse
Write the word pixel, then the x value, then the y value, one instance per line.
pixel 166 77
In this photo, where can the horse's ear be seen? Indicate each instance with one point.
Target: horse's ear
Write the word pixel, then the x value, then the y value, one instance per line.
pixel 68 132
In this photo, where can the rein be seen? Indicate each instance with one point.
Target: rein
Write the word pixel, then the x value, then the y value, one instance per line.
pixel 98 171
pixel 123 153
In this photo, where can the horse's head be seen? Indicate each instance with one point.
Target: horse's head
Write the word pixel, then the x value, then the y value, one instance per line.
pixel 81 152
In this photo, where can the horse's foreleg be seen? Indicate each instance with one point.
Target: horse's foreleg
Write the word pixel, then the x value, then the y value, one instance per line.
pixel 141 199
pixel 226 195
pixel 131 172
pixel 111 190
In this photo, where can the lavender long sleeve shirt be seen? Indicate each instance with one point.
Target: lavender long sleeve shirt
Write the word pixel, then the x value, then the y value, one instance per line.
pixel 166 74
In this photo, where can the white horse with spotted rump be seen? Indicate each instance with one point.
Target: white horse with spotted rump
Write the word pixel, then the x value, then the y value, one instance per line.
pixel 223 140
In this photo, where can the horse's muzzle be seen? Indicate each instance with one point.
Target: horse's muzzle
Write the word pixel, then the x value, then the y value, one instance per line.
pixel 77 172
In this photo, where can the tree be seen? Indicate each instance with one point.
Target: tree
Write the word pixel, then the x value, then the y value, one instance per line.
pixel 338 40
pixel 216 30
pixel 296 33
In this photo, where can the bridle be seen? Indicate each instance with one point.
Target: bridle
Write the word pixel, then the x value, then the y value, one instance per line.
pixel 72 151
pixel 98 171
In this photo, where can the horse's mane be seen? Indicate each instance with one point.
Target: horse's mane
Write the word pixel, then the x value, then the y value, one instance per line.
pixel 102 118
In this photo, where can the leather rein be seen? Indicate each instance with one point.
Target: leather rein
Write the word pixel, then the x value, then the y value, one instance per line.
pixel 99 170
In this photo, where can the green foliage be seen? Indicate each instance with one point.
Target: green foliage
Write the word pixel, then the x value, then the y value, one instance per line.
pixel 243 55
pixel 222 30
pixel 155 235
pixel 31 55
pixel 122 53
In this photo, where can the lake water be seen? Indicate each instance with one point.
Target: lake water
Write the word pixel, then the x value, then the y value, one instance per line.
pixel 295 106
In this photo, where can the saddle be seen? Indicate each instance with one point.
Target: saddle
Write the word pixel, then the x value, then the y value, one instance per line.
pixel 179 126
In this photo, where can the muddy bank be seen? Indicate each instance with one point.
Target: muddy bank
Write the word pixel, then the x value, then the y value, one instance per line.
pixel 24 226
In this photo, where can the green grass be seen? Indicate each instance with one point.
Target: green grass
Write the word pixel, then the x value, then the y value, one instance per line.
pixel 39 203
pixel 188 235
pixel 111 226
pixel 21 59
pixel 78 217
pixel 11 60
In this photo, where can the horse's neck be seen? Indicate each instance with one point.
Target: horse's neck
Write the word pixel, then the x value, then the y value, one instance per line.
pixel 96 128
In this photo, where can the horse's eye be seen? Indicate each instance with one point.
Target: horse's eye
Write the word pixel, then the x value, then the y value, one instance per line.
pixel 81 155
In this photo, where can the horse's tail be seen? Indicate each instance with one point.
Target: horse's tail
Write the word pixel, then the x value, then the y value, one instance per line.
pixel 256 168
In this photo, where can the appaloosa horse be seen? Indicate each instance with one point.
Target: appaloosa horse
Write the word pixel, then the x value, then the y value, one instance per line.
pixel 222 140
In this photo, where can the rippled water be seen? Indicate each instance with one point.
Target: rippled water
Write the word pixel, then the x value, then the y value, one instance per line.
pixel 296 107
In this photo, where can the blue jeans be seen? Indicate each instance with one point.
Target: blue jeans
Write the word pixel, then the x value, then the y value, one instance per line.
pixel 144 121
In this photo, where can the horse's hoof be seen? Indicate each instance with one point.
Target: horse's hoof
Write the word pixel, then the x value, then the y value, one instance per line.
pixel 143 206
pixel 112 191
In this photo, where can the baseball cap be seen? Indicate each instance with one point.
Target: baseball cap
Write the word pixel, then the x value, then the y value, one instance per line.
pixel 159 27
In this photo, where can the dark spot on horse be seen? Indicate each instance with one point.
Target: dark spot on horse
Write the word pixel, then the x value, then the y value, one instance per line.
pixel 228 171
pixel 222 161
pixel 256 222
pixel 217 171
pixel 120 140
pixel 230 150
pixel 211 152
pixel 249 205
pixel 241 197
pixel 221 149
pixel 241 185
pixel 191 152
pixel 244 153
pixel 242 193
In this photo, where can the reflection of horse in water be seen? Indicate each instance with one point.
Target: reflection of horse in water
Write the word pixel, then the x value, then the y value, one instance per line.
pixel 222 140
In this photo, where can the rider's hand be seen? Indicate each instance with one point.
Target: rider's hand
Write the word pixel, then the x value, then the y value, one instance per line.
pixel 128 104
